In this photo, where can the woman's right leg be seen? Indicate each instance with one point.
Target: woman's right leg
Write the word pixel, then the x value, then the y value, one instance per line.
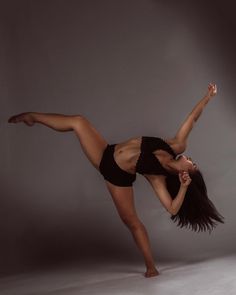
pixel 92 142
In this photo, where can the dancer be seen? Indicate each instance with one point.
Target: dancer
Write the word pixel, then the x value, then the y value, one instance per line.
pixel 175 178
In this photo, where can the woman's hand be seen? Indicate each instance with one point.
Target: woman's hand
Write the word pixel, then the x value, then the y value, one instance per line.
pixel 212 90
pixel 184 178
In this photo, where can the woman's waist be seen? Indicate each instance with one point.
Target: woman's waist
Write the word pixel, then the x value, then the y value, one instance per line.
pixel 127 158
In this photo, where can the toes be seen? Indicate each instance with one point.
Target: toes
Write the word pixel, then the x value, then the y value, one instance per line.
pixel 150 274
pixel 11 120
pixel 14 119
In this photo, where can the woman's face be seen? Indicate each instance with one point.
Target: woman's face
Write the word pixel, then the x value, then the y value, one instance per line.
pixel 187 163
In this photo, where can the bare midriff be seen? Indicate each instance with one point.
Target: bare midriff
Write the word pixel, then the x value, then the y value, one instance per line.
pixel 126 154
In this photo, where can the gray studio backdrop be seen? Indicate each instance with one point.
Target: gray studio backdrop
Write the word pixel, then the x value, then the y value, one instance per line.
pixel 132 68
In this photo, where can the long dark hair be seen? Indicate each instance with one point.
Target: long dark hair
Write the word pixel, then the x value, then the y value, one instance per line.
pixel 197 211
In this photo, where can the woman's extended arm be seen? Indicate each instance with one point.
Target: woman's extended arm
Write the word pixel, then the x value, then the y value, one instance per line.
pixel 183 132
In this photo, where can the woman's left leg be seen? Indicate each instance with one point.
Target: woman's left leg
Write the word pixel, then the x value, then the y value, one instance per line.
pixel 124 201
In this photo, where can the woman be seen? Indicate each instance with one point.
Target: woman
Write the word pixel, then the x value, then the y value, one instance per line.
pixel 175 178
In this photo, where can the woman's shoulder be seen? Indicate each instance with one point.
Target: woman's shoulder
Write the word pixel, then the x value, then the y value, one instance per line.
pixel 177 147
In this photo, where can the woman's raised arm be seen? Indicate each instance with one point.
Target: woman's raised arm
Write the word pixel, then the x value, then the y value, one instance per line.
pixel 184 131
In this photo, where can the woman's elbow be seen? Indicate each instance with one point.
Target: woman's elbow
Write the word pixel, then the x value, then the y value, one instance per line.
pixel 172 211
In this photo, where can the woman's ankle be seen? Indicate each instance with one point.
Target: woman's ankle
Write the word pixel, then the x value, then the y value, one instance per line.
pixel 150 265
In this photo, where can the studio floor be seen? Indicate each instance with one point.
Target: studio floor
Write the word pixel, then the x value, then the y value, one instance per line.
pixel 207 277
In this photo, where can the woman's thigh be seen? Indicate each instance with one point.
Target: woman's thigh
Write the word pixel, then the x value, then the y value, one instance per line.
pixel 123 198
pixel 92 142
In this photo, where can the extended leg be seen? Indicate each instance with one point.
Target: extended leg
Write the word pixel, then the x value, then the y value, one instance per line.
pixel 92 142
pixel 57 122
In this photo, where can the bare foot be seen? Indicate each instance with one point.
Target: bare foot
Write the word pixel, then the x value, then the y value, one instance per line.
pixel 152 272
pixel 27 118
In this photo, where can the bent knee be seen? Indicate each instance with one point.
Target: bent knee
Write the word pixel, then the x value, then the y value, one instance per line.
pixel 79 121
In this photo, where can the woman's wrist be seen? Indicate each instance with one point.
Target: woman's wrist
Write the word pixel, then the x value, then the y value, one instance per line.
pixel 183 187
pixel 207 97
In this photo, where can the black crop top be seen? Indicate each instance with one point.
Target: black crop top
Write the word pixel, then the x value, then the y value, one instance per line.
pixel 147 162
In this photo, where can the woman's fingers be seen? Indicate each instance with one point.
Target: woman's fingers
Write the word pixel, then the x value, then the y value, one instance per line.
pixel 212 89
pixel 215 89
pixel 185 178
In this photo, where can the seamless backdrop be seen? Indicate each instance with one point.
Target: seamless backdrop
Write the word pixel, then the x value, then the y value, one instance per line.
pixel 132 68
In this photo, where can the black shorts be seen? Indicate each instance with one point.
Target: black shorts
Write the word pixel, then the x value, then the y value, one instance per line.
pixel 111 171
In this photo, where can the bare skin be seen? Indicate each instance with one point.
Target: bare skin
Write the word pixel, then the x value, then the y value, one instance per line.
pixel 93 144
pixel 126 155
